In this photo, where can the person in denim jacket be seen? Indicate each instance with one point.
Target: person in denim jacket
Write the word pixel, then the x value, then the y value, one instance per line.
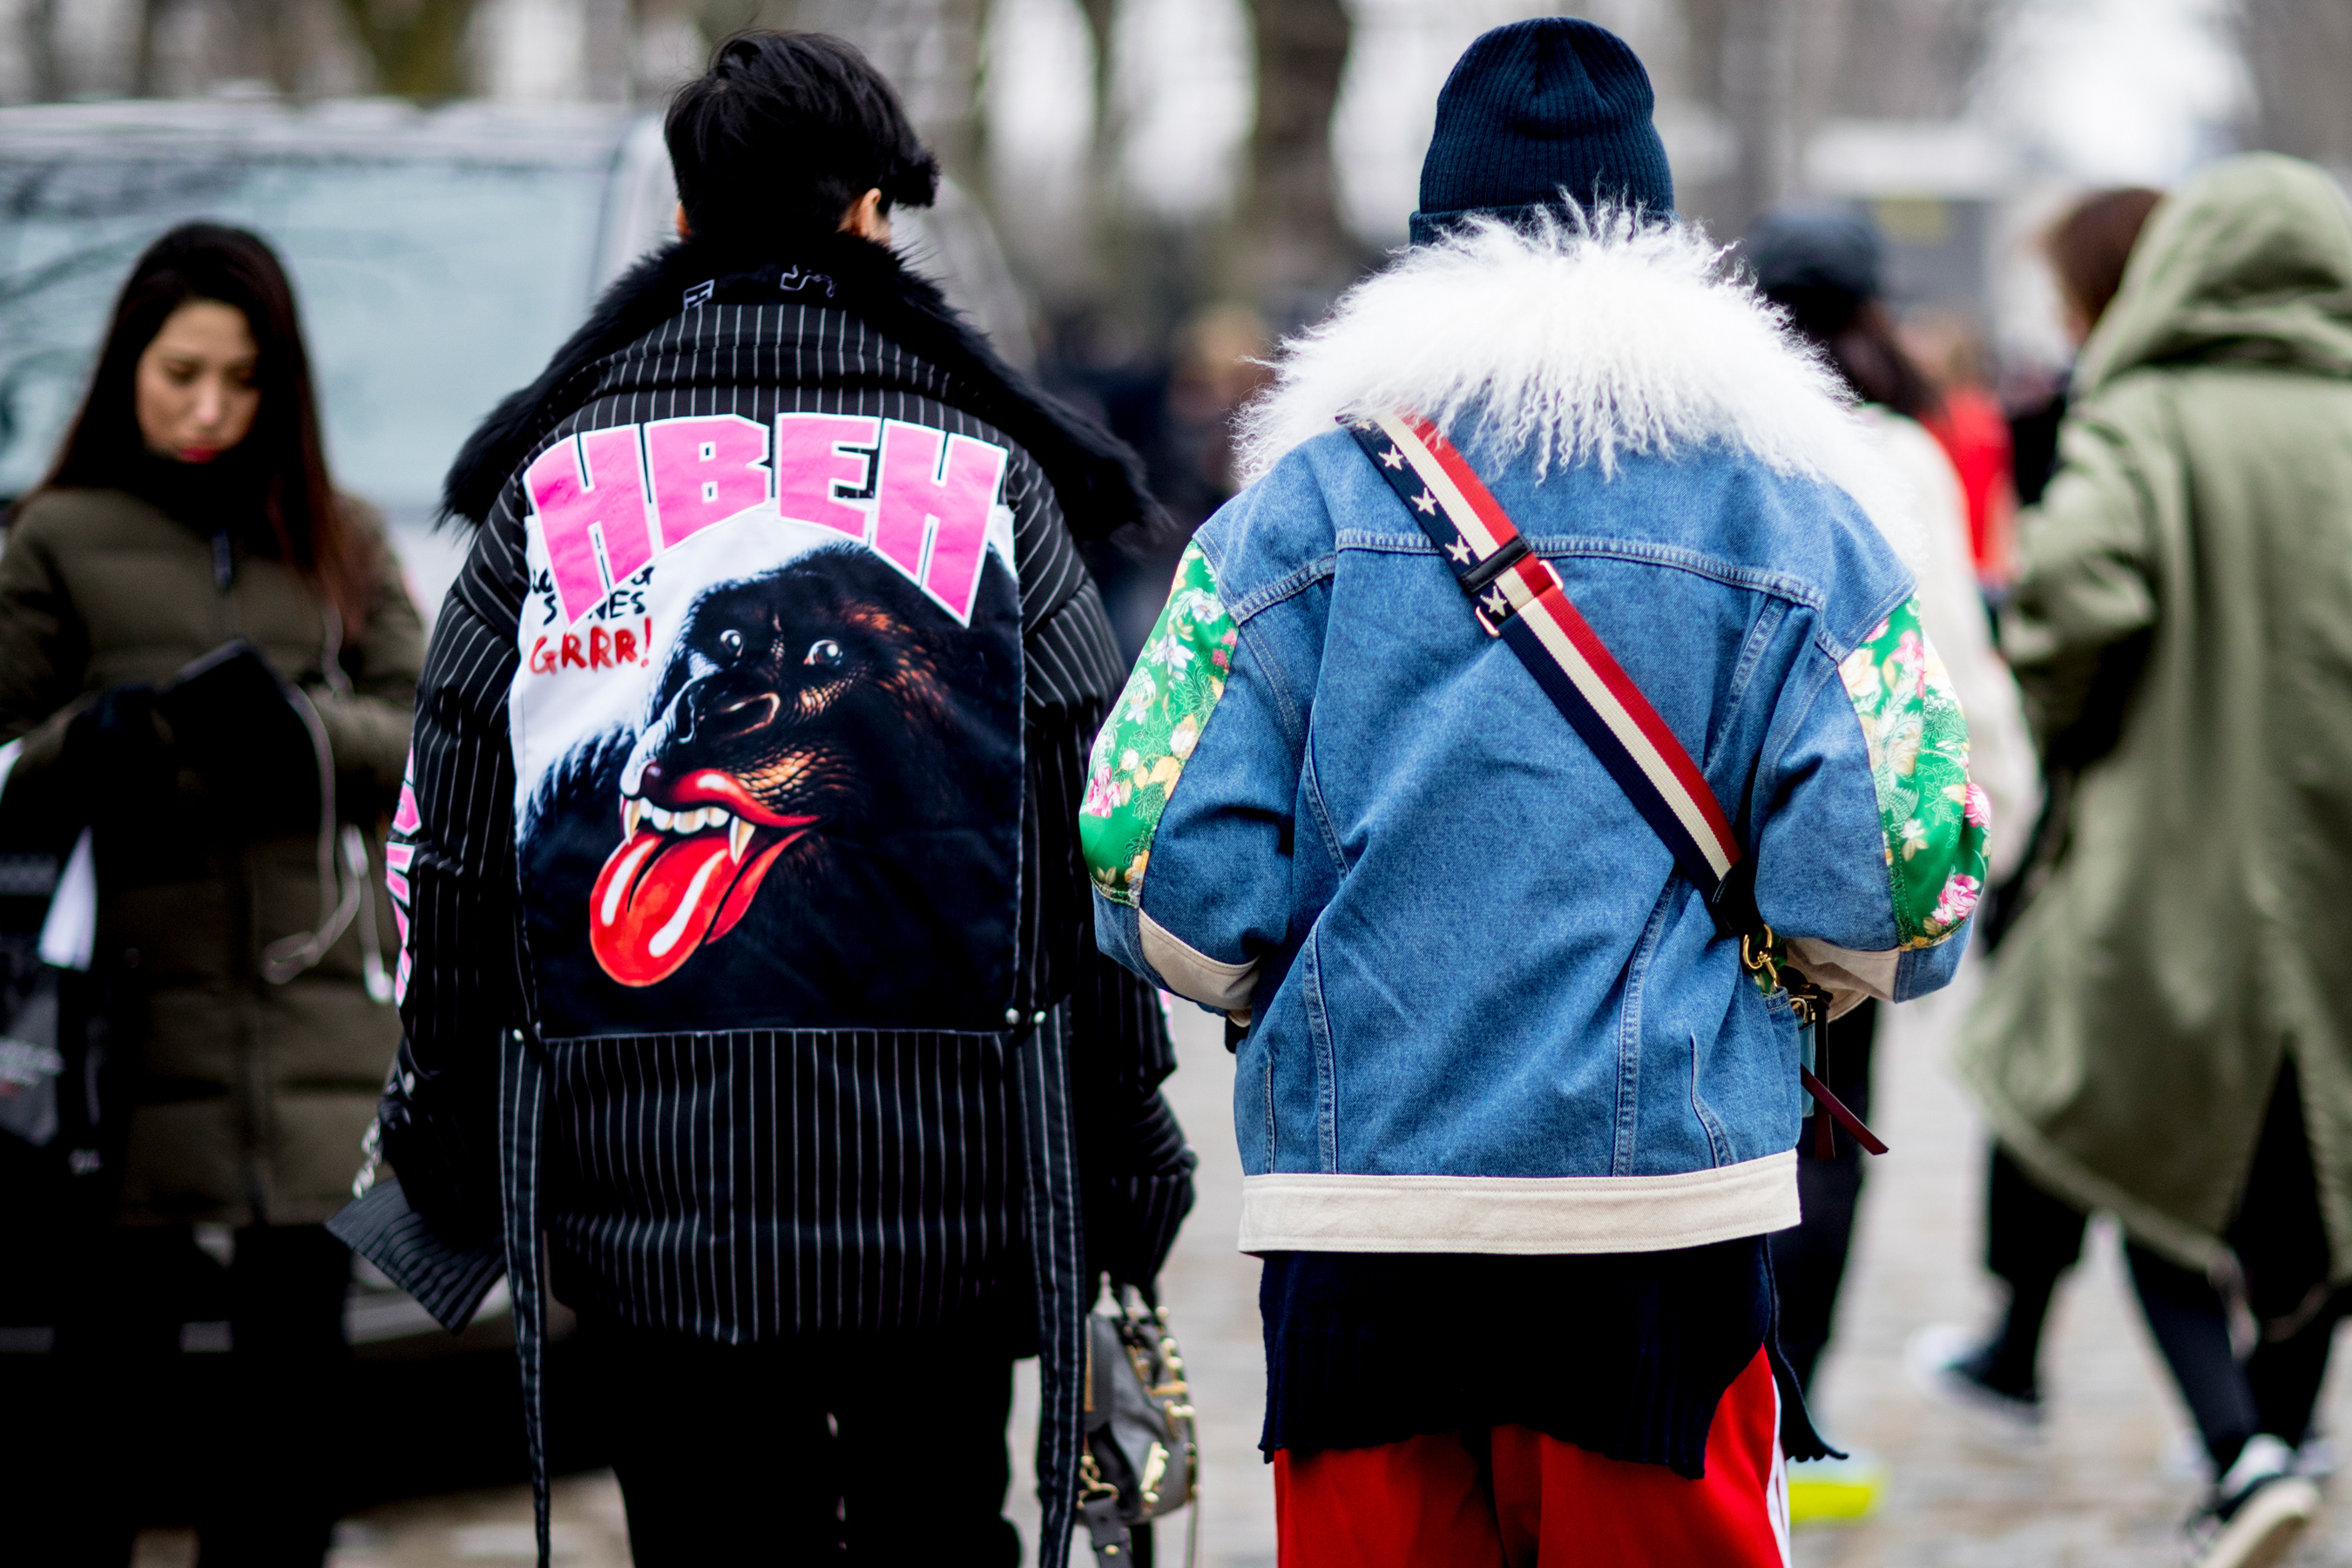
pixel 1513 1121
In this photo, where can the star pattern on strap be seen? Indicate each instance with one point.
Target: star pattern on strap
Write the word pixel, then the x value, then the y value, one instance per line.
pixel 1460 550
pixel 1426 503
pixel 1496 601
pixel 1392 458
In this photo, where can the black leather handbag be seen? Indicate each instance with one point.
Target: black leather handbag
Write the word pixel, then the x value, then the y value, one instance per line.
pixel 1141 1461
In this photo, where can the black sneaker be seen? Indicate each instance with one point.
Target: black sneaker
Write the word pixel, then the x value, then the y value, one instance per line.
pixel 1947 1362
pixel 2256 1510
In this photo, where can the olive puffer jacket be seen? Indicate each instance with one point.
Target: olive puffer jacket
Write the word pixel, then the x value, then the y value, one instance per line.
pixel 250 1099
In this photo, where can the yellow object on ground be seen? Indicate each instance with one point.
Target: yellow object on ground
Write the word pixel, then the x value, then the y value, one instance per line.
pixel 1833 1491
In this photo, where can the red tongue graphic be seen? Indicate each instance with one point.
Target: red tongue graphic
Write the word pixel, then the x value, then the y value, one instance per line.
pixel 660 898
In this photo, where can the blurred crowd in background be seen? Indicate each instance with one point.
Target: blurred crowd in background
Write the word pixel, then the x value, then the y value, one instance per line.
pixel 1175 184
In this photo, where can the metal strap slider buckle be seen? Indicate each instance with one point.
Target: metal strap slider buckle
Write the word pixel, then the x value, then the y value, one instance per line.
pixel 1489 601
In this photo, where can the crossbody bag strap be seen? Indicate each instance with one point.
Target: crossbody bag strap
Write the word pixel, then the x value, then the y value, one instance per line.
pixel 1517 597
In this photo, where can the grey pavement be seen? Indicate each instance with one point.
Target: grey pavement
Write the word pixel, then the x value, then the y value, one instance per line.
pixel 1211 1294
pixel 2104 1487
pixel 2106 1484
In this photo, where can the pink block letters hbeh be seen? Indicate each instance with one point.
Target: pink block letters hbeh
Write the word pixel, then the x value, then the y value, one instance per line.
pixel 606 502
pixel 811 462
pixel 705 470
pixel 578 511
pixel 946 498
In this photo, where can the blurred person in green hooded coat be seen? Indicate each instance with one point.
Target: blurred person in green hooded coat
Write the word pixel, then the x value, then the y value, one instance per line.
pixel 2169 1035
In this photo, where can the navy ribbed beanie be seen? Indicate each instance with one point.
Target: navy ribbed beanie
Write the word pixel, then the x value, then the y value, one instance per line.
pixel 1536 107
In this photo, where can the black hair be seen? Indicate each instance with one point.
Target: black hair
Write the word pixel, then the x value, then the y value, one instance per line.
pixel 783 133
pixel 1857 336
pixel 104 448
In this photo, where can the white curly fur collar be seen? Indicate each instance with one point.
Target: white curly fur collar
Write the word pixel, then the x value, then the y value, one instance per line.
pixel 1579 340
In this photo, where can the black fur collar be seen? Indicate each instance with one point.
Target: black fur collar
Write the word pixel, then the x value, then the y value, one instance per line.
pixel 1096 478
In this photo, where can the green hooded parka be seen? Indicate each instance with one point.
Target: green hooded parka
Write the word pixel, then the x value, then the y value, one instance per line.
pixel 2195 935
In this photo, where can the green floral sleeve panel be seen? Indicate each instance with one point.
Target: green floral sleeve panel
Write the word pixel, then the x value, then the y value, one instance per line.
pixel 1152 730
pixel 1935 820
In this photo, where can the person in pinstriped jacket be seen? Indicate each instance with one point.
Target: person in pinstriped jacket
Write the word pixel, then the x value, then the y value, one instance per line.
pixel 746 950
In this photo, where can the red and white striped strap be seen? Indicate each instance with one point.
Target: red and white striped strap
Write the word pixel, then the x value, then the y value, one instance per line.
pixel 1519 598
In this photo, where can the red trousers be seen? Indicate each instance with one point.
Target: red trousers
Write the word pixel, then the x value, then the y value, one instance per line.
pixel 1511 1498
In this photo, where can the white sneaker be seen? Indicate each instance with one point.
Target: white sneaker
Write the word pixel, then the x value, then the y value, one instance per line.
pixel 1937 1358
pixel 2184 1462
pixel 2256 1511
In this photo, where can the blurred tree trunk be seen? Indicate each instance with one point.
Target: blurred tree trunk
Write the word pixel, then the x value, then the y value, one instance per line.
pixel 608 49
pixel 1759 77
pixel 146 16
pixel 1289 250
pixel 37 25
pixel 1104 211
pixel 1774 69
pixel 1898 59
pixel 267 40
pixel 2299 54
pixel 949 116
pixel 1103 143
pixel 417 46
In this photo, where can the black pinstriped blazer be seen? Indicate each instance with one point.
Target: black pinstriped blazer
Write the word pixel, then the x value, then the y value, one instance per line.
pixel 883 1091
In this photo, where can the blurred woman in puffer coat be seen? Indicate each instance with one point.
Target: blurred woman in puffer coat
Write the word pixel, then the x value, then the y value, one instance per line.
pixel 191 508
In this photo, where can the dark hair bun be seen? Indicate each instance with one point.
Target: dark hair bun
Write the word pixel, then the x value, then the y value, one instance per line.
pixel 783 133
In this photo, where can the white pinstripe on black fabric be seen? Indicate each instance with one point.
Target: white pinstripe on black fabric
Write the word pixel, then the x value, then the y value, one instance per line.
pixel 521 1098
pixel 450 1284
pixel 754 1182
pixel 858 1234
pixel 1055 1233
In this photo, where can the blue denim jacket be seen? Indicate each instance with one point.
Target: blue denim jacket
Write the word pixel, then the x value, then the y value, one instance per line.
pixel 1486 1012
